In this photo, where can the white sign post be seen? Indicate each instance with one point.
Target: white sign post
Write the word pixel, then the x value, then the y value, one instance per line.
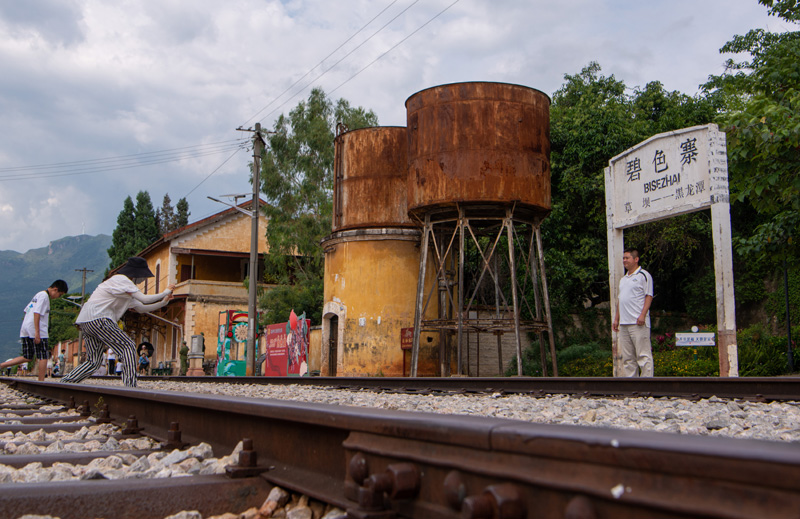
pixel 667 175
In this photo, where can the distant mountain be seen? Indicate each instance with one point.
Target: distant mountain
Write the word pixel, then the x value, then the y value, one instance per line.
pixel 22 275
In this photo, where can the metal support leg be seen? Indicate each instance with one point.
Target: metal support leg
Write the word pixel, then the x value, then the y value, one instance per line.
pixel 420 295
pixel 513 269
pixel 460 299
pixel 547 302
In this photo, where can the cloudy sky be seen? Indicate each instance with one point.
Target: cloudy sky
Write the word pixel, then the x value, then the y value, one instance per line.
pixel 100 99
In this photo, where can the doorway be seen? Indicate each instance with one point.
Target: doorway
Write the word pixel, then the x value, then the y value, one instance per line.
pixel 333 344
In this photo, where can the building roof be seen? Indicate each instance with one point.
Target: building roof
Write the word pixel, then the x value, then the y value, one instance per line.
pixel 192 227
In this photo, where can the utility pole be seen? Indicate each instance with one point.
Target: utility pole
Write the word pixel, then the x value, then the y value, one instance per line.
pixel 252 309
pixel 83 294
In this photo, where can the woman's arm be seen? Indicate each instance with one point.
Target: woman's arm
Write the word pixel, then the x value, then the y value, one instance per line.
pixel 142 307
pixel 138 306
pixel 153 298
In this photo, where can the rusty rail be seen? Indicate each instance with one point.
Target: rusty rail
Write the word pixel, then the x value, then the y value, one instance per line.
pixel 383 464
pixel 124 499
pixel 750 388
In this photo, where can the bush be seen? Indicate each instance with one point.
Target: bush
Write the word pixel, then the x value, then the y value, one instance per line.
pixel 591 359
pixel 684 362
pixel 531 364
pixel 588 367
pixel 760 355
pixel 585 360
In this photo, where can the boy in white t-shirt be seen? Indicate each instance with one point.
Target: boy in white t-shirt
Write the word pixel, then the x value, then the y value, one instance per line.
pixel 34 331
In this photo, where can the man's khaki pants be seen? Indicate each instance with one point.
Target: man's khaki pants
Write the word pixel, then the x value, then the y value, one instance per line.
pixel 637 353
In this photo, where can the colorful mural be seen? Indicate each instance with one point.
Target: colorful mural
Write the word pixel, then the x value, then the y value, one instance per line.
pixel 286 346
pixel 232 344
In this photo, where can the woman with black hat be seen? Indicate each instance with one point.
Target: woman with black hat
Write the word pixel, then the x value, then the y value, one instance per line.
pixel 99 315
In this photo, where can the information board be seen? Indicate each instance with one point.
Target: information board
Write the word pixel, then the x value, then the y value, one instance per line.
pixel 695 339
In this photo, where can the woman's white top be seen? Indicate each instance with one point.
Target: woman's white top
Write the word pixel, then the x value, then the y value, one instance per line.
pixel 116 295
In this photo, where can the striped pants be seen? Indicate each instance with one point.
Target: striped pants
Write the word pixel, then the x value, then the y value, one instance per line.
pixel 97 334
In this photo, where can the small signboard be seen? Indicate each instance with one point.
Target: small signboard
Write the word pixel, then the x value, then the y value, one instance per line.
pixel 406 338
pixel 277 354
pixel 695 339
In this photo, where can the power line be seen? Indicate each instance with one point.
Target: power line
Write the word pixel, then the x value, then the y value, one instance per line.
pixel 120 163
pixel 120 157
pixel 342 58
pixel 360 45
pixel 305 75
pixel 335 64
pixel 196 151
pixel 394 47
pixel 210 174
pixel 323 60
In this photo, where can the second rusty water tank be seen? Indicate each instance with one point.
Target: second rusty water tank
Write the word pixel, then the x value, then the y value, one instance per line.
pixel 370 179
pixel 478 143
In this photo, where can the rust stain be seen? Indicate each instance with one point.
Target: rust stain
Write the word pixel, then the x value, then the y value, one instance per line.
pixel 479 143
pixel 370 185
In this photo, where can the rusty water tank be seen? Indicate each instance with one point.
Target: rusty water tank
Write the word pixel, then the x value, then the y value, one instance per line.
pixel 370 171
pixel 478 144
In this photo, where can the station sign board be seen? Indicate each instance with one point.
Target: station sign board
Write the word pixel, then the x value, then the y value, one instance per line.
pixel 669 174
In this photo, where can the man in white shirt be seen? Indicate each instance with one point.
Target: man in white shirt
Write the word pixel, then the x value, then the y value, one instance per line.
pixel 99 315
pixel 34 331
pixel 632 318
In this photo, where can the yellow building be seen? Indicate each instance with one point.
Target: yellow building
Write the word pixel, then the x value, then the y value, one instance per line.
pixel 208 262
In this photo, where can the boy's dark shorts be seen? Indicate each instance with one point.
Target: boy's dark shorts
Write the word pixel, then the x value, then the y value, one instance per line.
pixel 31 350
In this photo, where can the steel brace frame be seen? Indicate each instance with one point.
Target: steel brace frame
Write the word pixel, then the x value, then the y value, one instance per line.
pixel 444 239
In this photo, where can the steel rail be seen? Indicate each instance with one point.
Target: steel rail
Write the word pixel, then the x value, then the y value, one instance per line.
pixel 748 388
pixel 383 464
pixel 96 496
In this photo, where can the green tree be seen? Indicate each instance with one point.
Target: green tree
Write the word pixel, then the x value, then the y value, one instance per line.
pixel 589 125
pixel 297 180
pixel 762 103
pixel 165 216
pixel 593 118
pixel 145 225
pixel 169 219
pixel 182 213
pixel 123 238
pixel 62 320
pixel 137 228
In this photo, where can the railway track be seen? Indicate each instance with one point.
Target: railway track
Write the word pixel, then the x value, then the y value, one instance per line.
pixel 46 444
pixel 376 463
pixel 764 389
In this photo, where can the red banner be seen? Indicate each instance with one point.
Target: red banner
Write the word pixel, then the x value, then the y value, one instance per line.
pixel 276 361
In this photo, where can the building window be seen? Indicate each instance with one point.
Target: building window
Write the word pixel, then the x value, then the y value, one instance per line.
pixel 158 277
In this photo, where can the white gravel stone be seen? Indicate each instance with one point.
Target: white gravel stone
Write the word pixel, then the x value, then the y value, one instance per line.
pixel 193 514
pixel 776 421
pixel 175 457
